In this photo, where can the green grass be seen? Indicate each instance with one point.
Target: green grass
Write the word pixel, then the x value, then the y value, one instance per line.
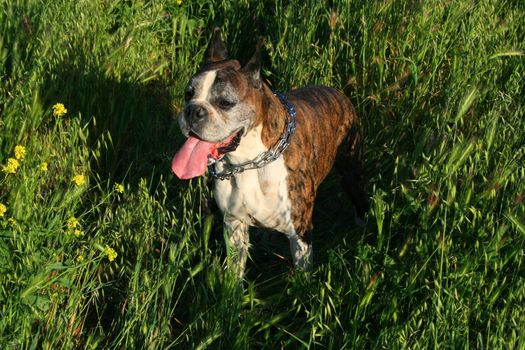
pixel 439 86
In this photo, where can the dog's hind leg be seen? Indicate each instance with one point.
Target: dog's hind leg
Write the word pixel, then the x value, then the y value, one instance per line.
pixel 349 163
pixel 238 244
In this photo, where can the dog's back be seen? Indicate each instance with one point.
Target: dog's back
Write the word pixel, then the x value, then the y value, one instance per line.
pixel 327 132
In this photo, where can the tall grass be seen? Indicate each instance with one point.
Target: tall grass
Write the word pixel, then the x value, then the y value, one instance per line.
pixel 439 89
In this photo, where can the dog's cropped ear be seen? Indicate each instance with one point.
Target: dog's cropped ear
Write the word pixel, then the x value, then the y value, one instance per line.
pixel 216 49
pixel 252 69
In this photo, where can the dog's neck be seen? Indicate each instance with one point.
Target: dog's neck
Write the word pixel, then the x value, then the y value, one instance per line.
pixel 268 127
pixel 272 117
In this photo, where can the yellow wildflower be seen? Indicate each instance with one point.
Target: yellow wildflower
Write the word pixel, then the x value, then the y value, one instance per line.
pixel 79 259
pixel 20 152
pixel 3 209
pixel 78 232
pixel 11 167
pixel 59 110
pixel 79 180
pixel 119 188
pixel 111 253
pixel 43 166
pixel 72 222
pixel 179 2
pixel 73 227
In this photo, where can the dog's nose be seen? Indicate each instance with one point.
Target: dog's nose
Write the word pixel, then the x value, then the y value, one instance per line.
pixel 195 113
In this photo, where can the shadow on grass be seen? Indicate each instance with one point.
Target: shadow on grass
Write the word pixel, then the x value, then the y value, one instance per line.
pixel 132 136
pixel 131 125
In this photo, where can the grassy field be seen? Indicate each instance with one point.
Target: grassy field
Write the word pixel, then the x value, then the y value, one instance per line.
pixel 102 248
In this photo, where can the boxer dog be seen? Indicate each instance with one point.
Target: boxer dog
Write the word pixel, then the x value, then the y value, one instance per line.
pixel 267 152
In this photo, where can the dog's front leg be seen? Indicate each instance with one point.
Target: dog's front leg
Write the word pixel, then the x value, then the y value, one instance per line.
pixel 238 244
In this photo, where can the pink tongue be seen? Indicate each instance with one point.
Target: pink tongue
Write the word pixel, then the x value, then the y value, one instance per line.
pixel 192 159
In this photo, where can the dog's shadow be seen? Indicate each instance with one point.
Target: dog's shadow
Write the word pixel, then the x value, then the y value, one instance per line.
pixel 129 123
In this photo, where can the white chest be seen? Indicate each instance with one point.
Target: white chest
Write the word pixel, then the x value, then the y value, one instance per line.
pixel 259 196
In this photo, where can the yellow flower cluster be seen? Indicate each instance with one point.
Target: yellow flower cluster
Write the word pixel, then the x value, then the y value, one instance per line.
pixel 43 166
pixel 20 152
pixel 11 167
pixel 110 253
pixel 59 110
pixel 72 222
pixel 73 227
pixel 13 163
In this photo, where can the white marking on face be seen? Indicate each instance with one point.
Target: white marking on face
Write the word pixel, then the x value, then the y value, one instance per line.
pixel 203 84
pixel 204 89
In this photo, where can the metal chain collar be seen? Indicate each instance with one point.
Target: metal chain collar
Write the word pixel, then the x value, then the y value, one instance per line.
pixel 265 157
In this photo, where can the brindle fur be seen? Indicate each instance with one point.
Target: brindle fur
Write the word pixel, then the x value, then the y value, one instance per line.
pixel 327 132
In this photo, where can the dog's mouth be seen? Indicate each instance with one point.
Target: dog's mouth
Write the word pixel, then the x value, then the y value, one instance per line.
pixel 193 157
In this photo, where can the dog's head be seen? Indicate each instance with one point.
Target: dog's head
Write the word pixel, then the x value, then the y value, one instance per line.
pixel 220 107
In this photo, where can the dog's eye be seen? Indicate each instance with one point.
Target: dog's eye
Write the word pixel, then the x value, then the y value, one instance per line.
pixel 188 94
pixel 225 104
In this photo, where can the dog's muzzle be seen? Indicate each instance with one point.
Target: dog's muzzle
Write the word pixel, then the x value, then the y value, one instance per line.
pixel 195 114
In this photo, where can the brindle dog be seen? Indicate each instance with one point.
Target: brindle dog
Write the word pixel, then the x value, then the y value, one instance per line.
pixel 231 117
